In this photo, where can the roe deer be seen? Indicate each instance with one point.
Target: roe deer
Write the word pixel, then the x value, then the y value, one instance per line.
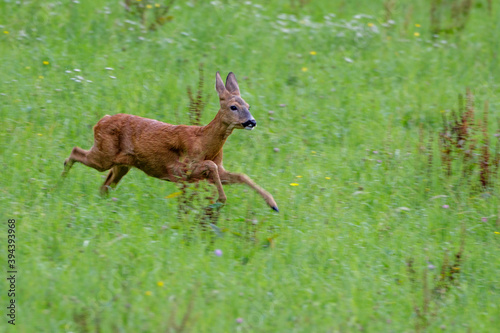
pixel 176 153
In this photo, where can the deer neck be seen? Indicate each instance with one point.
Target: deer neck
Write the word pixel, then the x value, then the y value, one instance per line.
pixel 215 135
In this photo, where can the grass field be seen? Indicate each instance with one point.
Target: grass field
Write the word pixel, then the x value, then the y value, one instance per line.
pixel 370 223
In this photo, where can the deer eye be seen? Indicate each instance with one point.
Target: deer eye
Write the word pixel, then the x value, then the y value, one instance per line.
pixel 234 108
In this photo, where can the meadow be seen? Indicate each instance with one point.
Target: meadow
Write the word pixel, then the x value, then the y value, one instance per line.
pixel 383 226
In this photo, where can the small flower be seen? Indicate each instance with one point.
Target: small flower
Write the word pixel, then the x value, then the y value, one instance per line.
pixel 149 6
pixel 445 206
pixel 113 77
pixel 77 70
pixel 484 219
pixel 45 62
pixel 109 68
pixel 298 176
pixel 157 5
pixel 417 25
pixel 370 25
pixel 313 152
pixel 173 195
pixel 431 266
pixel 6 32
pixel 239 320
pixel 416 34
pixel 148 293
pixel 39 134
pixel 328 178
pixel 218 252
pixel 379 161
pixel 276 150
pixel 312 53
pixel 28 67
pixel 304 69
pixel 496 232
pixel 40 77
pixel 375 152
pixel 114 199
pixel 160 283
pixel 294 184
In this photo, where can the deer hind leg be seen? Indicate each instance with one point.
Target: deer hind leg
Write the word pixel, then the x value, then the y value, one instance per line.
pixel 239 178
pixel 114 176
pixel 92 158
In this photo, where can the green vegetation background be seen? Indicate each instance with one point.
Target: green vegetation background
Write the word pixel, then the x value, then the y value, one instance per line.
pixel 349 96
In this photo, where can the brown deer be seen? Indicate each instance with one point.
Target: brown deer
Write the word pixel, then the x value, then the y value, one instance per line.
pixel 176 153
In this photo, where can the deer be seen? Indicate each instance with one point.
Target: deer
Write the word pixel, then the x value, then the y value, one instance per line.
pixel 175 153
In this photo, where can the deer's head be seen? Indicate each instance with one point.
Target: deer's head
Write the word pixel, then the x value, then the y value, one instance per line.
pixel 233 109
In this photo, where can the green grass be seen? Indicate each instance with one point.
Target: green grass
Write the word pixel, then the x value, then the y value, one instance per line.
pixel 335 259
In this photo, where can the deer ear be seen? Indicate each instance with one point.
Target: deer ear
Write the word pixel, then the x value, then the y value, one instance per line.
pixel 232 84
pixel 219 85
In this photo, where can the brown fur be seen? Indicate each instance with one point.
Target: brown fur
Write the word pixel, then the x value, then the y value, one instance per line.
pixel 176 153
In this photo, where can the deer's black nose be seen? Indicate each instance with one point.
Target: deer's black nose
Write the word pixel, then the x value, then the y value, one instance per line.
pixel 249 124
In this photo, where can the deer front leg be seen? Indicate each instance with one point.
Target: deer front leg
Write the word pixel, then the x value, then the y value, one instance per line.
pixel 209 170
pixel 239 178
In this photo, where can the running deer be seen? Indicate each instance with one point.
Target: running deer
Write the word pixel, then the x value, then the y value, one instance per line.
pixel 176 153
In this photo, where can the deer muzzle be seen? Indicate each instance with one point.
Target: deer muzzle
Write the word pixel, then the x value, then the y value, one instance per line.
pixel 249 124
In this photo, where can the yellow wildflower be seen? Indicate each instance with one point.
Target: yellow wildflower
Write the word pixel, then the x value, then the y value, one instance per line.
pixel 312 53
pixel 160 283
pixel 304 69
pixel 416 34
pixel 417 25
pixel 173 195
pixel 157 5
pixel 6 32
pixel 328 178
pixel 45 62
pixel 40 77
pixel 298 176
pixel 294 184
pixel 148 293
pixel 370 25
pixel 496 232
pixel 313 152
pixel 149 6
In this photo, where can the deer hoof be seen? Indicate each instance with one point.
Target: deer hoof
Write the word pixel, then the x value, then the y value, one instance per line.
pixel 104 191
pixel 275 208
